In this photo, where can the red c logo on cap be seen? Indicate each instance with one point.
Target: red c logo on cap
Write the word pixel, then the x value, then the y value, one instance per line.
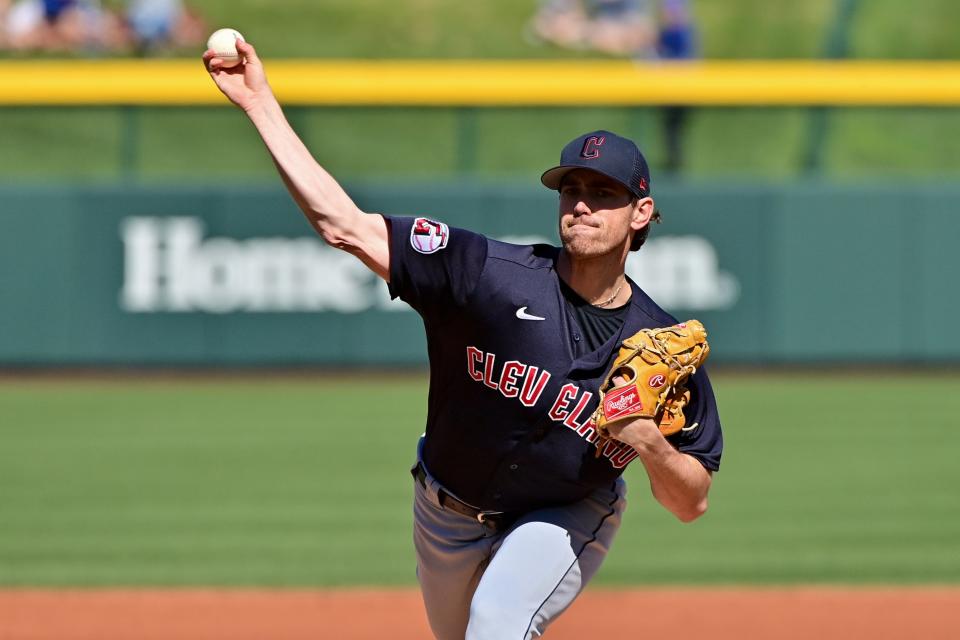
pixel 591 147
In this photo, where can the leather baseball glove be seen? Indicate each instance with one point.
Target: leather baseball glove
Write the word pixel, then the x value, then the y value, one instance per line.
pixel 647 378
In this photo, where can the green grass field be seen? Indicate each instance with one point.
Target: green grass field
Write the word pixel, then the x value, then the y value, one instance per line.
pixel 303 482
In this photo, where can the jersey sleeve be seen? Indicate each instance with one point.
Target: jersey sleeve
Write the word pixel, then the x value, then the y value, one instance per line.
pixel 433 265
pixel 702 437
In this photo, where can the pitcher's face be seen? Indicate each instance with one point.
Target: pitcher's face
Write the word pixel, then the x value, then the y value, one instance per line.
pixel 597 214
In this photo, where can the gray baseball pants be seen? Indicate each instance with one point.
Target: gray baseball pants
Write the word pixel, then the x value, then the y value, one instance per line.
pixel 478 584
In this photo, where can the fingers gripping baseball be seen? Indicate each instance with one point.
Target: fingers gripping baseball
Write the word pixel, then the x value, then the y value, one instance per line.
pixel 244 84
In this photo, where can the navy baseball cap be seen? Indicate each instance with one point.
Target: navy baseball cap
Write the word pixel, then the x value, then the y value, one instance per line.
pixel 606 153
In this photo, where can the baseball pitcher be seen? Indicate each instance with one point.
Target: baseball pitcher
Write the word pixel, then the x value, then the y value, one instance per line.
pixel 550 372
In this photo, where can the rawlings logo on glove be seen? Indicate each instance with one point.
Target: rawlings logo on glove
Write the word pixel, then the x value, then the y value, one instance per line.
pixel 648 375
pixel 621 402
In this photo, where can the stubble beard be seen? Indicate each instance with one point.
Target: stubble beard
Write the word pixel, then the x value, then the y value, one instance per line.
pixel 581 247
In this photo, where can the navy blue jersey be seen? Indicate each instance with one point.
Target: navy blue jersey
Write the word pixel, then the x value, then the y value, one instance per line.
pixel 508 421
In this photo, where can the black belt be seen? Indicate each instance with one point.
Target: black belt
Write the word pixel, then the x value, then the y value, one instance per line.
pixel 494 520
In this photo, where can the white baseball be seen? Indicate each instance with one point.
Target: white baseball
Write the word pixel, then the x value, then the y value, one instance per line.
pixel 224 44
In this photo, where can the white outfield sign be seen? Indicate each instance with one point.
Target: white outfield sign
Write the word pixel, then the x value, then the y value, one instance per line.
pixel 683 272
pixel 170 267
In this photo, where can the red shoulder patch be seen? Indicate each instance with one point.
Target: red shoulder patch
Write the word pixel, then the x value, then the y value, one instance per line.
pixel 428 236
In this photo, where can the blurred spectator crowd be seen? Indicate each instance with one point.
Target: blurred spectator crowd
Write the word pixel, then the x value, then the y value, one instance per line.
pixel 631 28
pixel 145 27
pixel 635 29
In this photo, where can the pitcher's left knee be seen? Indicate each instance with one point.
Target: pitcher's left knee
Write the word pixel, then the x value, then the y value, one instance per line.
pixel 497 618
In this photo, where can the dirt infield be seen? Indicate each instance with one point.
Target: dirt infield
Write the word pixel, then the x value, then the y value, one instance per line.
pixel 720 614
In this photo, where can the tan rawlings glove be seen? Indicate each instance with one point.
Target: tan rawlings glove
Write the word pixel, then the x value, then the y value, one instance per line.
pixel 672 419
pixel 647 378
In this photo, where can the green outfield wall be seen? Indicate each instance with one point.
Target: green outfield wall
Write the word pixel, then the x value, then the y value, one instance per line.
pixel 233 275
